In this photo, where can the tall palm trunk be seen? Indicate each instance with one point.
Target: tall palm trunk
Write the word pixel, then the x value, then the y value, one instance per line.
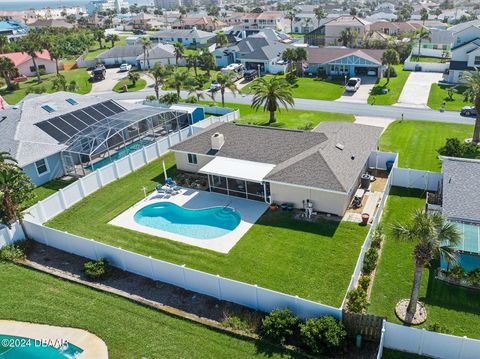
pixel 39 79
pixel 419 46
pixel 9 207
pixel 388 75
pixel 178 92
pixel 6 76
pixel 156 87
pixel 272 117
pixel 222 92
pixel 476 131
pixel 417 281
pixel 56 66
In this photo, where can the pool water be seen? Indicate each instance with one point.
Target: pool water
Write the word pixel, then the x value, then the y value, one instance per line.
pixel 135 146
pixel 200 224
pixel 12 347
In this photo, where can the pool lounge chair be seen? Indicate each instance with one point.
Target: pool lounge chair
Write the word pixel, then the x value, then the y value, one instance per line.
pixel 159 189
pixel 170 182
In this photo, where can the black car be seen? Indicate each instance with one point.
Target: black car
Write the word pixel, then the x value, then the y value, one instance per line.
pixel 139 32
pixel 249 75
pixel 468 111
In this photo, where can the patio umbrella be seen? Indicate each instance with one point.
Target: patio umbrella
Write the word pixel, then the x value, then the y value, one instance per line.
pixel 164 170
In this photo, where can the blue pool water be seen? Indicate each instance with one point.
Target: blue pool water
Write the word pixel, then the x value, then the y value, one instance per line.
pixel 12 347
pixel 200 224
pixel 119 154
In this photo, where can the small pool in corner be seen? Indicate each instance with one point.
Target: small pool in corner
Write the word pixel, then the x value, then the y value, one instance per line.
pixel 206 223
pixel 12 347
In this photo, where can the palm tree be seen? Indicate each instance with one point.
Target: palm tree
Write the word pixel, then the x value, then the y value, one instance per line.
pixel 56 52
pixel 271 94
pixel 133 76
pixel 308 22
pixel 422 34
pixel 207 61
pixel 178 51
pixel 471 79
pixel 3 44
pixel 346 37
pixel 300 56
pixel 192 61
pixel 159 73
pixel 390 58
pixel 289 55
pixel 319 14
pixel 221 39
pixel 179 79
pixel 7 158
pixel 112 38
pixel 291 15
pixel 7 69
pixel 227 81
pixel 423 15
pixel 99 35
pixel 32 45
pixel 145 42
pixel 433 236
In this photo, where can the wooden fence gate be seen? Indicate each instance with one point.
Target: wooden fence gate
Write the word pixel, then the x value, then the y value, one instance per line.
pixel 367 325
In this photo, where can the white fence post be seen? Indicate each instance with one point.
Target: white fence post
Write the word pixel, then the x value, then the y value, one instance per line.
pixel 41 211
pixel 82 188
pixel 62 199
pixel 219 287
pixel 184 276
pixel 115 170
pixel 420 345
pixel 130 162
pixel 256 297
pixel 99 179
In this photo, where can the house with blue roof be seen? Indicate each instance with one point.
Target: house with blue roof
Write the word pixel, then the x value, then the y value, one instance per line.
pixel 13 29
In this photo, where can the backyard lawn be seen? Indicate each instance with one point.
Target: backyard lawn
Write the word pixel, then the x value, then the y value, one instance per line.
pixel 438 60
pixel 417 142
pixel 313 88
pixel 129 330
pixel 312 260
pixel 458 309
pixel 81 76
pixel 395 88
pixel 439 94
pixel 140 85
pixel 46 190
pixel 95 50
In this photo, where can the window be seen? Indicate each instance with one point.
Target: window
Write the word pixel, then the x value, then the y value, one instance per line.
pixel 41 67
pixel 476 61
pixel 71 101
pixel 192 159
pixel 41 167
pixel 48 108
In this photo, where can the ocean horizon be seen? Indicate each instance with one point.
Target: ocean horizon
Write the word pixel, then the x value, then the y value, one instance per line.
pixel 19 5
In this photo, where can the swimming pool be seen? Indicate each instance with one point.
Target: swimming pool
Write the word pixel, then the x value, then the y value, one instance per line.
pixel 206 223
pixel 12 347
pixel 134 146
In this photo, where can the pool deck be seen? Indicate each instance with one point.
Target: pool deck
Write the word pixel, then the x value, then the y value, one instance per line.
pixel 93 347
pixel 249 210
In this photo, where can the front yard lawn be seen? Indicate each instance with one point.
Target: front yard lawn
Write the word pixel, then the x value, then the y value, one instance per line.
pixel 395 87
pixel 81 76
pixel 417 142
pixel 130 330
pixel 213 75
pixel 439 94
pixel 312 88
pixel 312 260
pixel 456 308
pixel 140 85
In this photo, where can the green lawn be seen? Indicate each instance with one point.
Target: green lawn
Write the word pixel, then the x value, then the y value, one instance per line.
pixel 395 88
pixel 456 308
pixel 129 330
pixel 47 189
pixel 213 75
pixel 311 260
pixel 428 59
pixel 81 76
pixel 393 354
pixel 417 142
pixel 439 94
pixel 140 85
pixel 312 88
pixel 291 118
pixel 95 50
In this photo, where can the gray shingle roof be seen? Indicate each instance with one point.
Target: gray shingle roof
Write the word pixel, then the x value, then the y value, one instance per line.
pixel 190 34
pixel 461 181
pixel 260 48
pixel 121 51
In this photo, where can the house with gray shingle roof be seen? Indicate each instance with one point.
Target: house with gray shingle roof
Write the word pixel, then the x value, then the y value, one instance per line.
pixel 133 55
pixel 282 165
pixel 187 37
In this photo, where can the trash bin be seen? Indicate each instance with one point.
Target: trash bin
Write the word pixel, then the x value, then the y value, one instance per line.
pixel 365 181
pixel 389 166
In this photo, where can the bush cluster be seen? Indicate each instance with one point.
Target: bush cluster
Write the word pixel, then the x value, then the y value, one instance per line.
pixel 370 260
pixel 364 282
pixel 357 300
pixel 14 251
pixel 377 237
pixel 393 72
pixel 455 148
pixel 99 269
pixel 280 326
pixel 459 274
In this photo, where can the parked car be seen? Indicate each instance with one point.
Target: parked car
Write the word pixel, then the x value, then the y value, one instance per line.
pixel 139 32
pixel 125 67
pixel 99 73
pixel 353 84
pixel 468 111
pixel 249 75
pixel 372 73
pixel 215 86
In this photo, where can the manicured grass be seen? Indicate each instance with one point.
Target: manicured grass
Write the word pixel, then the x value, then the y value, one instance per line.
pixel 140 85
pixel 439 94
pixel 81 76
pixel 297 36
pixel 213 76
pixel 296 119
pixel 312 88
pixel 128 329
pixel 311 260
pixel 95 50
pixel 456 308
pixel 394 354
pixel 428 59
pixel 417 142
pixel 47 189
pixel 394 87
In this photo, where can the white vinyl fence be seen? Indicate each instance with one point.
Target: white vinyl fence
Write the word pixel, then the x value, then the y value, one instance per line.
pixel 50 207
pixel 249 295
pixel 435 345
pixel 408 178
pixel 10 235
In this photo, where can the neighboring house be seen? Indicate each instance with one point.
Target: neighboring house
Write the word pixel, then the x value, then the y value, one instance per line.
pixel 133 55
pixel 13 30
pixel 380 15
pixel 465 53
pixel 303 23
pixel 24 63
pixel 440 43
pixel 329 33
pixel 49 23
pixel 96 6
pixel 395 28
pixel 280 165
pixel 204 23
pixel 167 4
pixel 192 37
pixel 262 51
pixel 50 135
pixel 144 21
pixel 341 61
pixel 257 21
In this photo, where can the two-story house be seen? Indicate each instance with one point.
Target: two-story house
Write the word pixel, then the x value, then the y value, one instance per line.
pixel 330 33
pixel 257 21
pixel 465 53
pixel 192 37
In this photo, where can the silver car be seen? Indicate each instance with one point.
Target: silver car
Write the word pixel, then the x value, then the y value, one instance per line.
pixel 353 84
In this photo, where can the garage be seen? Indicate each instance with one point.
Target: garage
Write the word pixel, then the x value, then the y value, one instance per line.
pixel 366 71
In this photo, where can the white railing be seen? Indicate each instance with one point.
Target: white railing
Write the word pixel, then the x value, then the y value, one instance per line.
pixel 382 340
pixel 10 235
pixel 409 178
pixel 248 295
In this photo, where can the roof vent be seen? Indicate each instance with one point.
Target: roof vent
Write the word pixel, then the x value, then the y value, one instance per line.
pixel 352 157
pixel 339 146
pixel 217 141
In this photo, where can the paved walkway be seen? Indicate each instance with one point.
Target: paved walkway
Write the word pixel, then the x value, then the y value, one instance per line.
pixel 417 88
pixel 374 121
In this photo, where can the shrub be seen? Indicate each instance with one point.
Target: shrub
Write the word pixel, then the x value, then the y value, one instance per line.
pixel 323 335
pixel 364 282
pixel 99 269
pixel 151 98
pixel 308 127
pixel 457 273
pixel 370 260
pixel 280 73
pixel 436 327
pixel 455 148
pixel 36 90
pixel 357 300
pixel 14 251
pixel 393 72
pixel 279 326
pixel 321 74
pixel 169 98
pixel 377 237
pixel 291 78
pixel 474 277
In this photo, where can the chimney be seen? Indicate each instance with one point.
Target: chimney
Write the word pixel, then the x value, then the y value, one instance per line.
pixel 217 141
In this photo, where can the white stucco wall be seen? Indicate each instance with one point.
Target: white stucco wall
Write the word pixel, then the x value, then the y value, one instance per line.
pixel 183 165
pixel 24 69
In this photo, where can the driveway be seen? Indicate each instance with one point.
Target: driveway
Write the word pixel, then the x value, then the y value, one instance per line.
pixel 361 95
pixel 111 79
pixel 382 122
pixel 417 88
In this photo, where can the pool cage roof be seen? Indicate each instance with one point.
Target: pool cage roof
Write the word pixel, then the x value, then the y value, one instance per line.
pixel 99 137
